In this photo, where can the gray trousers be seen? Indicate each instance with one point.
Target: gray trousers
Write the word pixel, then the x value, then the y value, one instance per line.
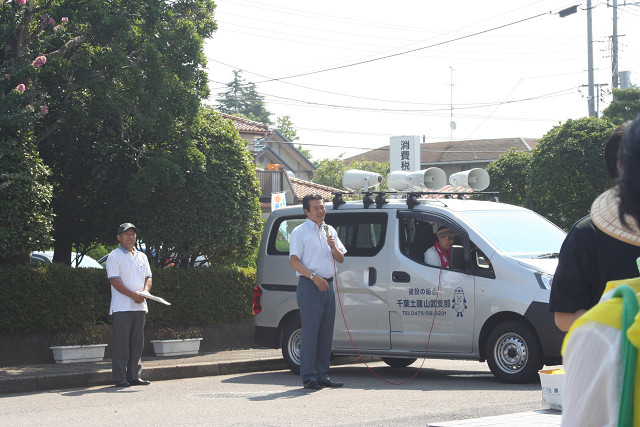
pixel 317 314
pixel 128 342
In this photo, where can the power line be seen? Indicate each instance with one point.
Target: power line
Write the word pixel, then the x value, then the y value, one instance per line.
pixel 407 51
pixel 473 105
pixel 561 92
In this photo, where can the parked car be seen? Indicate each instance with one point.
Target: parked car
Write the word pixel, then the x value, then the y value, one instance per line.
pixel 490 304
pixel 201 261
pixel 47 257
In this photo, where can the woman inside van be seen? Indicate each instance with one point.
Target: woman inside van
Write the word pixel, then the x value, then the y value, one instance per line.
pixel 439 254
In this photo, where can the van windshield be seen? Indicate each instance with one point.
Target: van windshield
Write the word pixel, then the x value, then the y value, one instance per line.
pixel 518 233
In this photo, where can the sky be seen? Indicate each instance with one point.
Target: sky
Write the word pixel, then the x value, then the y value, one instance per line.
pixel 352 73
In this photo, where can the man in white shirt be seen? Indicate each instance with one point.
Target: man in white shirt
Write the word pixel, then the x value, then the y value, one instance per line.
pixel 128 272
pixel 314 246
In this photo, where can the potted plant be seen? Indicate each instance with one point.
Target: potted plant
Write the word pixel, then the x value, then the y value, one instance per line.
pixel 85 345
pixel 169 342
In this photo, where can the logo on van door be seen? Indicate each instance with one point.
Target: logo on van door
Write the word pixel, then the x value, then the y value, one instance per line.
pixel 424 302
pixel 423 305
pixel 459 301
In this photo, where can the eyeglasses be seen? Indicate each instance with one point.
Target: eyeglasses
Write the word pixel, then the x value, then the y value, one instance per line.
pixel 450 238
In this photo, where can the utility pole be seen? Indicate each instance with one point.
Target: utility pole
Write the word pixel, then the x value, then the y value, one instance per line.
pixel 598 86
pixel 614 48
pixel 591 99
pixel 452 124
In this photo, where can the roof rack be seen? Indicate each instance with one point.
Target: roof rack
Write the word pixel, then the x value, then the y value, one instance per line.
pixel 413 197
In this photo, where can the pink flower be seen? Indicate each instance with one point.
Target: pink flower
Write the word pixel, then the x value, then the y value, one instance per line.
pixel 22 1
pixel 57 28
pixel 44 109
pixel 46 19
pixel 7 76
pixel 64 19
pixel 39 61
pixel 21 87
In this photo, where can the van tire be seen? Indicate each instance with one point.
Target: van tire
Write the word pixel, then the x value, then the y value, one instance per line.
pixel 398 362
pixel 291 339
pixel 513 352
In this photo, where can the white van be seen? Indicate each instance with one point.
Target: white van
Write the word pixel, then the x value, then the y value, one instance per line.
pixel 491 304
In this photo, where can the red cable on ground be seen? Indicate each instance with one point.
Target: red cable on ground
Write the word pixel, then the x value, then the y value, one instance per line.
pixel 335 278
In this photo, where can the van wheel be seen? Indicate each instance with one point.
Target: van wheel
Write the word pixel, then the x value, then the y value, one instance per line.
pixel 513 352
pixel 291 339
pixel 398 362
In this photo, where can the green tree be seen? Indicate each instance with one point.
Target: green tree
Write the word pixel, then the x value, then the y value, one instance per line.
pixel 509 176
pixel 201 198
pixel 625 106
pixel 331 171
pixel 242 99
pixel 25 214
pixel 114 82
pixel 568 171
pixel 284 125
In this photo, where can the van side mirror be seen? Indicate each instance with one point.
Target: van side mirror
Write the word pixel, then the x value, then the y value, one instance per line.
pixel 456 255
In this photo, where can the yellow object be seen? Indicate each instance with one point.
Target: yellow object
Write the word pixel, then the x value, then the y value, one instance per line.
pixel 610 313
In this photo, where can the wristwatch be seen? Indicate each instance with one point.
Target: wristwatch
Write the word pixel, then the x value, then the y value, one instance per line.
pixel 312 276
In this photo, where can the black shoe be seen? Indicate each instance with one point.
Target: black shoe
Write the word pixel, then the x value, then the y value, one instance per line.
pixel 123 383
pixel 329 383
pixel 139 381
pixel 312 385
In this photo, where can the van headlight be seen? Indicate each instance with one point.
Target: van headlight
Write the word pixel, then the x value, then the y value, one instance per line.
pixel 544 280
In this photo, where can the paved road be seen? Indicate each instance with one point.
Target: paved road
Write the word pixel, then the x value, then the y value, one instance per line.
pixel 443 391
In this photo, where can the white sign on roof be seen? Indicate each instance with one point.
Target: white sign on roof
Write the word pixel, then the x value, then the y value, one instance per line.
pixel 404 153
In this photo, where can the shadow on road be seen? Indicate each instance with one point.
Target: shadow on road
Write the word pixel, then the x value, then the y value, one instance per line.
pixel 388 378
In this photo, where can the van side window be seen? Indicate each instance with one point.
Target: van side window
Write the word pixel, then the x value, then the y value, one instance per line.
pixel 279 238
pixel 361 234
pixel 481 264
pixel 416 236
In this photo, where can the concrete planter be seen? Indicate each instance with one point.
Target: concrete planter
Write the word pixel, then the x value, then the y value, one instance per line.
pixel 176 347
pixel 78 353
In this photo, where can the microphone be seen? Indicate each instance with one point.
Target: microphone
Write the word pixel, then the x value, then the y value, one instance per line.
pixel 326 230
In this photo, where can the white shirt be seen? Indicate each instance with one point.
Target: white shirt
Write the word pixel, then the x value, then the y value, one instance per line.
pixel 309 243
pixel 431 257
pixel 593 370
pixel 132 268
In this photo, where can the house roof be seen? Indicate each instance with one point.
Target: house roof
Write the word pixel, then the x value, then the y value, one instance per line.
pixel 479 150
pixel 247 126
pixel 301 188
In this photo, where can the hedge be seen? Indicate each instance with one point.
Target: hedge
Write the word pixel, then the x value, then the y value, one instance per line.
pixel 57 298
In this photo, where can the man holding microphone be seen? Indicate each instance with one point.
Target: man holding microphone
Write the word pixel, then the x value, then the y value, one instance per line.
pixel 313 248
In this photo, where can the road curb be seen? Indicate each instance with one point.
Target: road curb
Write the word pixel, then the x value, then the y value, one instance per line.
pixel 29 380
pixel 34 383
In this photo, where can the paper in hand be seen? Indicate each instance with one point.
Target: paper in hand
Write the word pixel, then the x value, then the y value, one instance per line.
pixel 147 295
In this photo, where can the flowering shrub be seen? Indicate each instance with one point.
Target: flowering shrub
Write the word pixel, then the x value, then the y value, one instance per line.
pixel 39 61
pixel 89 335
pixel 172 334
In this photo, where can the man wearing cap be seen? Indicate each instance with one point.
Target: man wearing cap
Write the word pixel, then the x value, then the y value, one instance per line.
pixel 128 272
pixel 438 255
